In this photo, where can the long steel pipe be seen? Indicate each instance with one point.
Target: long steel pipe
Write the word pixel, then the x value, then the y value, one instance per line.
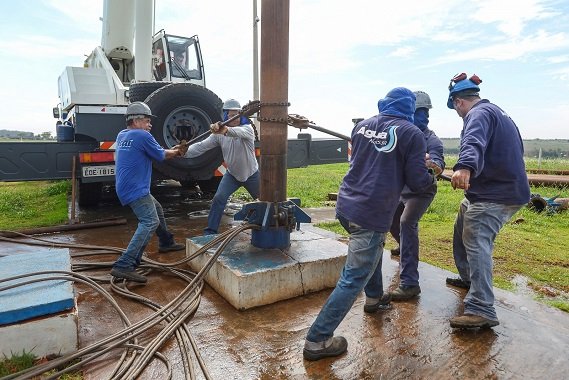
pixel 274 97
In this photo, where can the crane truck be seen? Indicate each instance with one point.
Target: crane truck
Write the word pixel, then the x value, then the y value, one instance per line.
pixel 135 64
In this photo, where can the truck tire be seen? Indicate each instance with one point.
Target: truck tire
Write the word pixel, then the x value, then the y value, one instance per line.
pixel 138 92
pixel 184 111
pixel 89 194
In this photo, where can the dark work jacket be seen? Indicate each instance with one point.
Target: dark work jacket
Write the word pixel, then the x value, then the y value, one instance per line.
pixel 491 148
pixel 435 150
pixel 388 152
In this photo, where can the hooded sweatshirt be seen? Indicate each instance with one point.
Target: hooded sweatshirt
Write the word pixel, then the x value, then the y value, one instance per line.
pixel 434 148
pixel 388 152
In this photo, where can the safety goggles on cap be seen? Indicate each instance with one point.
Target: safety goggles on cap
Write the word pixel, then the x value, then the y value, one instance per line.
pixel 462 76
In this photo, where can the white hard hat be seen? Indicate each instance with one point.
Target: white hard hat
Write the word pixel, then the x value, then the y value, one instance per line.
pixel 137 110
pixel 231 104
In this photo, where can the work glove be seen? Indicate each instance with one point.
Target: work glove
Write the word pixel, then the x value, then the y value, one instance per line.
pixel 182 148
pixel 431 165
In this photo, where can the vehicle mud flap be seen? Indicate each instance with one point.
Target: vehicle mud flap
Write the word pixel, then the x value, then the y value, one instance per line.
pixel 89 194
pixel 184 111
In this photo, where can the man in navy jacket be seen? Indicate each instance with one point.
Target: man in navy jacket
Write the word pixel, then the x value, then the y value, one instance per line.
pixel 388 152
pixel 491 171
pixel 412 206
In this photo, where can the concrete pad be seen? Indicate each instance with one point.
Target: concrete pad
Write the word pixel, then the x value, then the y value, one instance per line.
pixel 39 298
pixel 43 309
pixel 52 335
pixel 247 276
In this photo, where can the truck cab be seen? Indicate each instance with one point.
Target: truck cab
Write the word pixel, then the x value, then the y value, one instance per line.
pixel 177 59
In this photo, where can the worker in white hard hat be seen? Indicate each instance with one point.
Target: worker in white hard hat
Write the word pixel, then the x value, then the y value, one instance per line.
pixel 237 142
pixel 412 206
pixel 135 151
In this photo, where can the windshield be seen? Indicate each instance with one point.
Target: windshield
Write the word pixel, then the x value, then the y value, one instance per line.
pixel 184 57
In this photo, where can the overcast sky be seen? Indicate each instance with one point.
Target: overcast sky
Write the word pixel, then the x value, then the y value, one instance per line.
pixel 344 55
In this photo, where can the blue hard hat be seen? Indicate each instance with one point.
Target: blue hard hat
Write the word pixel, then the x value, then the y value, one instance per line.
pixel 458 84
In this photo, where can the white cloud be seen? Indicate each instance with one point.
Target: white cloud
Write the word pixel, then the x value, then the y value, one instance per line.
pixel 343 56
pixel 511 16
pixel 513 49
pixel 84 14
pixel 403 52
pixel 558 59
pixel 561 74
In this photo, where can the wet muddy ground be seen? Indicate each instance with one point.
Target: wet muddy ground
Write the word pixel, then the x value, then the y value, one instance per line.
pixel 411 339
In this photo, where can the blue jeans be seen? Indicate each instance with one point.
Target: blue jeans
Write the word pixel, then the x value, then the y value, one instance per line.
pixel 405 229
pixel 361 271
pixel 475 230
pixel 228 186
pixel 150 219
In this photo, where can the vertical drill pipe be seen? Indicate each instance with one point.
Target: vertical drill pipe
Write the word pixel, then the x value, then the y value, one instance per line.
pixel 274 89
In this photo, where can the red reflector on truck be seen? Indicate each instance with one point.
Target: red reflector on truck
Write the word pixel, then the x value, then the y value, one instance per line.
pixel 90 157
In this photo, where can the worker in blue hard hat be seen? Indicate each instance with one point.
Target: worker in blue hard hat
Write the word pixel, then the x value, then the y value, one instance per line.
pixel 412 206
pixel 465 87
pixel 491 171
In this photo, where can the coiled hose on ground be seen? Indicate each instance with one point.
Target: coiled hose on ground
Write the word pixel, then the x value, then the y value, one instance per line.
pixel 172 317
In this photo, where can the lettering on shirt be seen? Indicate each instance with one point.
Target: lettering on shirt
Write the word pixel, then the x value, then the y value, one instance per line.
pixel 125 143
pixel 382 141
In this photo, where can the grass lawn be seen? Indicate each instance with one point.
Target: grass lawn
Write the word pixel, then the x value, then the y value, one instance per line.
pixel 33 204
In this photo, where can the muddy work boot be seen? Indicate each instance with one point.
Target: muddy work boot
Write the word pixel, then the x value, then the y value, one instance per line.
pixel 469 321
pixel 404 292
pixel 130 275
pixel 382 303
pixel 334 346
pixel 395 251
pixel 172 248
pixel 458 282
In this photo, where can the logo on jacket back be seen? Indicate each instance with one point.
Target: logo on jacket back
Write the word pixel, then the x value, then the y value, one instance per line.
pixel 382 141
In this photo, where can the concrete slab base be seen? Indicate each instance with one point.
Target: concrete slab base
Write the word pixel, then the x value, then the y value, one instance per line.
pixel 52 335
pixel 247 276
pixel 38 317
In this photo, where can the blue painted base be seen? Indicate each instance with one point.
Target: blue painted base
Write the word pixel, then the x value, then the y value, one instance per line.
pixel 271 238
pixel 39 298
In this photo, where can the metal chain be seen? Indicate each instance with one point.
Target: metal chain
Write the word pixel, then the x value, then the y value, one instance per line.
pixel 284 104
pixel 282 120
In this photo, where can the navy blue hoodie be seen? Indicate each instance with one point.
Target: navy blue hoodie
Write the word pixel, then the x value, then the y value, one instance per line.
pixel 388 152
pixel 492 148
pixel 434 148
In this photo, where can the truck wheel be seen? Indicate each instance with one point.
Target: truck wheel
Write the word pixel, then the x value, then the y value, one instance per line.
pixel 89 194
pixel 138 92
pixel 184 111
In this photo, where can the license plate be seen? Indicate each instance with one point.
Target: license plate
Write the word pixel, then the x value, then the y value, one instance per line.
pixel 98 171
